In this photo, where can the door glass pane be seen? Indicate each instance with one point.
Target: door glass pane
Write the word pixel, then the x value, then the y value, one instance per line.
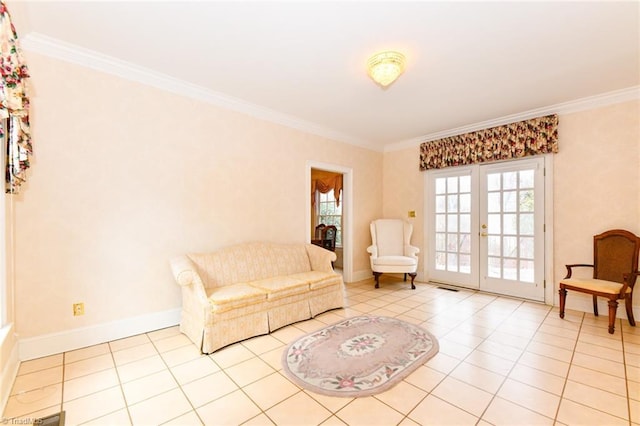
pixel 494 224
pixel 452 185
pixel 441 186
pixel 452 203
pixel 510 269
pixel 452 223
pixel 465 203
pixel 510 180
pixel 526 247
pixel 465 183
pixel 493 202
pixel 441 241
pixel 495 267
pixel 509 201
pixel 441 223
pixel 441 207
pixel 510 224
pixel 526 178
pixel 465 223
pixel 526 224
pixel 510 246
pixel 452 242
pixel 494 246
pixel 452 262
pixel 493 182
pixel 526 200
pixel 465 243
pixel 440 260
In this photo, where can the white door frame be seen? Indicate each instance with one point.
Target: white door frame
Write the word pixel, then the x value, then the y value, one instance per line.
pixel 347 211
pixel 550 288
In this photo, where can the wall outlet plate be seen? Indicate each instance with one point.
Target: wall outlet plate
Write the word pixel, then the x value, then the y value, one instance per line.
pixel 78 309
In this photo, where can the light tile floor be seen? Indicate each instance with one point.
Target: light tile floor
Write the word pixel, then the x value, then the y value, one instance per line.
pixel 502 361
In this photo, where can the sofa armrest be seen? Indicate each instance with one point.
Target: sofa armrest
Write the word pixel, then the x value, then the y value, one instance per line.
pixel 184 271
pixel 320 258
pixel 373 251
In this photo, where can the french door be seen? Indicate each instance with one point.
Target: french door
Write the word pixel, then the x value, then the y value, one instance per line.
pixel 485 227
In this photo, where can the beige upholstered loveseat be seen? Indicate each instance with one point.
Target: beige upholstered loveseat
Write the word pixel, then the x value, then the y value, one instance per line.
pixel 251 289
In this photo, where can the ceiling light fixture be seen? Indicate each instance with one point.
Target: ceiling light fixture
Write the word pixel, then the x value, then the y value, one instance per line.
pixel 385 67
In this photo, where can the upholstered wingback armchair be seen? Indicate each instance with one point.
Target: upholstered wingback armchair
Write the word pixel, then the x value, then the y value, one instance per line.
pixel 391 250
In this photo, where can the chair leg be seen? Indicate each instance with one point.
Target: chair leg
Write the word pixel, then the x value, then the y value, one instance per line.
pixel 405 277
pixel 613 307
pixel 629 307
pixel 563 298
pixel 377 277
pixel 413 277
pixel 595 305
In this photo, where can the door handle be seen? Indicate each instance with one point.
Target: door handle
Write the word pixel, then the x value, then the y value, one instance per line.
pixel 483 234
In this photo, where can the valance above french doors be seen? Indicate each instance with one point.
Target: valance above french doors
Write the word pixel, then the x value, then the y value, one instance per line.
pixel 516 140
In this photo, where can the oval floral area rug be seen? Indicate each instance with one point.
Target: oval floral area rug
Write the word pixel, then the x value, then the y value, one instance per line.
pixel 358 356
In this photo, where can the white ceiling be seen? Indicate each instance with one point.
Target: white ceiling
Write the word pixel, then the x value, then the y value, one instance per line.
pixel 304 62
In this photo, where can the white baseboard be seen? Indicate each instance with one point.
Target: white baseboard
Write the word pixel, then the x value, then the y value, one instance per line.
pixel 9 366
pixel 361 275
pixel 49 344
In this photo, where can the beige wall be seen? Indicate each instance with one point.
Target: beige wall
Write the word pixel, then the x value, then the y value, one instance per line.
pixel 596 183
pixel 126 176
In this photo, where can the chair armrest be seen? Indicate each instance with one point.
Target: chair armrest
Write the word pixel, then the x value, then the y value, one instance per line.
pixel 411 251
pixel 320 258
pixel 575 265
pixel 184 271
pixel 373 251
pixel 629 281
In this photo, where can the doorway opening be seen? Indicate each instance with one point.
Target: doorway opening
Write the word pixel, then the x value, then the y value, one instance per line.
pixel 485 227
pixel 329 203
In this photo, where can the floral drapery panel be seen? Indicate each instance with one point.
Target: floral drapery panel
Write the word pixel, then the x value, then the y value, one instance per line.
pixel 14 104
pixel 515 140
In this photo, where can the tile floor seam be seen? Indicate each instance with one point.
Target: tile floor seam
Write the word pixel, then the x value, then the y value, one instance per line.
pixel 626 378
pixel 515 362
pixel 177 382
pixel 566 378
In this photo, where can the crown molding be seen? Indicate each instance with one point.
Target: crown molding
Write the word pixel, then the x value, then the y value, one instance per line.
pixel 58 49
pixel 591 102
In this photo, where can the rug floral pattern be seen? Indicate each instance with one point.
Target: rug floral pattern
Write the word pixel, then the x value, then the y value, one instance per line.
pixel 358 356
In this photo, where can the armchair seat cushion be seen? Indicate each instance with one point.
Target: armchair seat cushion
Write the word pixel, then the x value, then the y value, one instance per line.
pixel 595 285
pixel 236 296
pixel 395 261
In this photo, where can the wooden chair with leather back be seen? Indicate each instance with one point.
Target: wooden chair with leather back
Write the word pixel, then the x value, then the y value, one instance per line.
pixel 329 238
pixel 615 269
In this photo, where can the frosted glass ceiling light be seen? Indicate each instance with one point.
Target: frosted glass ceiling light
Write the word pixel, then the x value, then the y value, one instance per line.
pixel 385 67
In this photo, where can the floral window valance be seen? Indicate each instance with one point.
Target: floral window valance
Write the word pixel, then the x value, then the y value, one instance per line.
pixel 14 104
pixel 515 140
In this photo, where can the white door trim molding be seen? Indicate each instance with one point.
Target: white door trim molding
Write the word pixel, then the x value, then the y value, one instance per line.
pixel 347 210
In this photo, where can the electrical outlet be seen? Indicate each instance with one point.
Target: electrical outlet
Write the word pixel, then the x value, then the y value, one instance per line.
pixel 78 309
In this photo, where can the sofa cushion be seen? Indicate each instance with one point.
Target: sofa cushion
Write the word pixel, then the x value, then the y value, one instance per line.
pixel 235 296
pixel 277 287
pixel 318 279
